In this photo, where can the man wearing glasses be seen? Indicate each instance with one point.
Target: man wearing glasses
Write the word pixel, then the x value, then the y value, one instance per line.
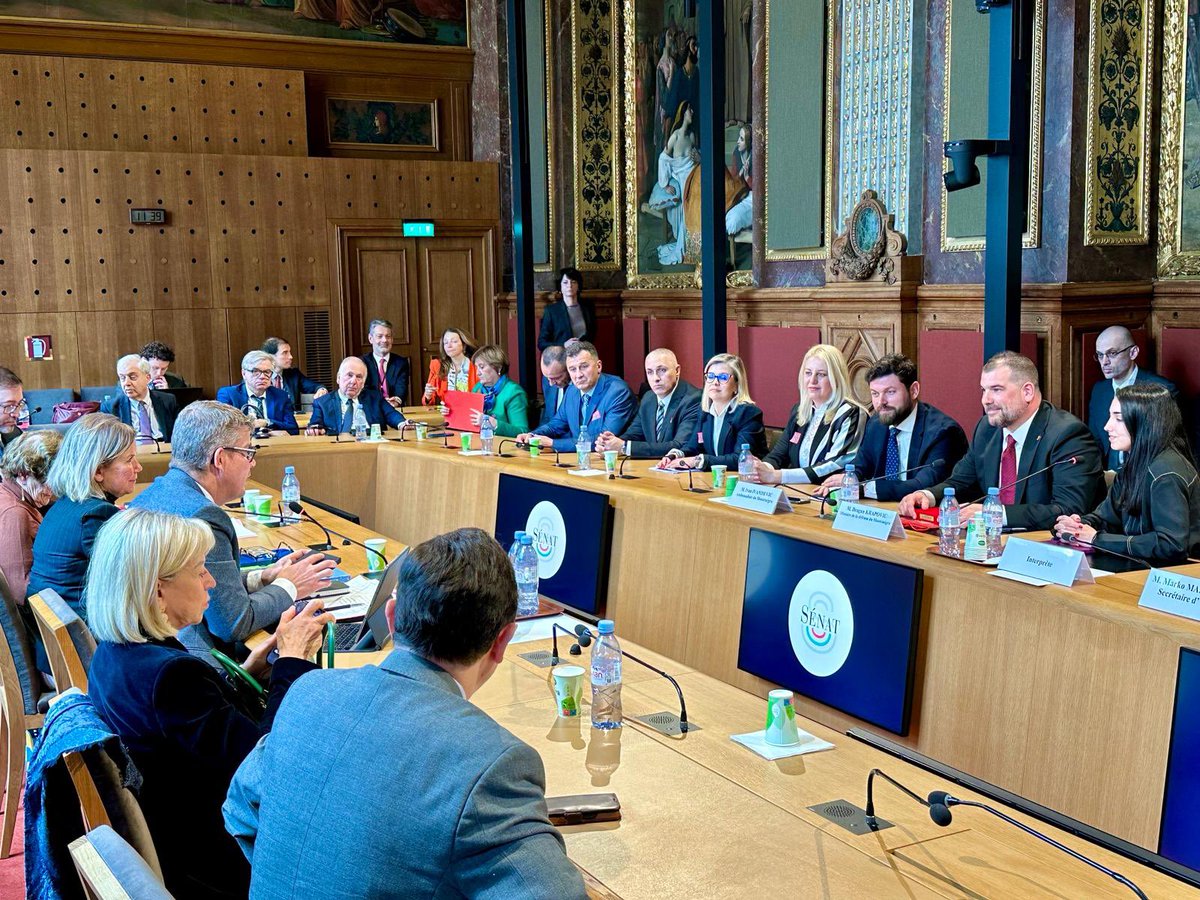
pixel 1117 354
pixel 257 398
pixel 13 409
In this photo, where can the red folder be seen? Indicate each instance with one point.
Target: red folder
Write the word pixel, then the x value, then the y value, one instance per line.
pixel 458 409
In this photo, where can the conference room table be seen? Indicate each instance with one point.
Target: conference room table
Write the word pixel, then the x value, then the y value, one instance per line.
pixel 1063 696
pixel 703 816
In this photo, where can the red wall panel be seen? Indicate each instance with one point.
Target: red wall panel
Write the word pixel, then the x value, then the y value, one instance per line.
pixel 1179 359
pixel 773 356
pixel 949 363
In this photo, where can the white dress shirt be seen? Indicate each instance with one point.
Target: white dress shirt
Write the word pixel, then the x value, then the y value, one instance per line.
pixel 1130 378
pixel 135 419
pixel 663 403
pixel 904 435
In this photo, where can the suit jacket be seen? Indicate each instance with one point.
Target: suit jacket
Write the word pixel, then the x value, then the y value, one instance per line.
pixel 743 425
pixel 611 408
pixel 63 547
pixel 556 324
pixel 681 424
pixel 297 383
pixel 166 408
pixel 397 375
pixel 441 384
pixel 329 412
pixel 404 804
pixel 1101 400
pixel 279 405
pixel 511 408
pixel 234 612
pixel 187 733
pixel 1053 435
pixel 833 445
pixel 934 436
pixel 550 394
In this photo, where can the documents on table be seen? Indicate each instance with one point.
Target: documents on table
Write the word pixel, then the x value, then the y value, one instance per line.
pixel 239 528
pixel 354 604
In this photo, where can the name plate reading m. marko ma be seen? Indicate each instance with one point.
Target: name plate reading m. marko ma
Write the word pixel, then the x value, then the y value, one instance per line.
pixel 1171 593
pixel 867 521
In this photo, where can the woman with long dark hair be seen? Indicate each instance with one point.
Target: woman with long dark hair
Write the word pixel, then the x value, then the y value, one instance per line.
pixel 1152 511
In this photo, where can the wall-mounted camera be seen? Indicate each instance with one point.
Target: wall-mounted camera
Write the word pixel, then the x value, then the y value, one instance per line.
pixel 964 172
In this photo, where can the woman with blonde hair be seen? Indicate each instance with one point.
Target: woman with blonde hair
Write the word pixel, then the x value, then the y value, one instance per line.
pixel 824 428
pixel 24 497
pixel 185 726
pixel 729 420
pixel 96 464
pixel 452 370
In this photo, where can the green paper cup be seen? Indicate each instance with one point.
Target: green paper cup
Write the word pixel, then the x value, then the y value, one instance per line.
pixel 263 507
pixel 718 477
pixel 250 500
pixel 730 483
pixel 466 441
pixel 610 462
pixel 535 449
pixel 422 431
pixel 781 727
pixel 568 690
pixel 375 562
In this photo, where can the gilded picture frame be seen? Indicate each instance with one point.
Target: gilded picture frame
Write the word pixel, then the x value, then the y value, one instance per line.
pixel 382 125
pixel 1179 215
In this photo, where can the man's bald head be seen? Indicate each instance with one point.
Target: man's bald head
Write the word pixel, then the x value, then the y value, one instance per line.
pixel 351 376
pixel 1116 351
pixel 662 371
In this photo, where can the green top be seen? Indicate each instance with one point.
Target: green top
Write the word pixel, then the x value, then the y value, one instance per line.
pixel 511 409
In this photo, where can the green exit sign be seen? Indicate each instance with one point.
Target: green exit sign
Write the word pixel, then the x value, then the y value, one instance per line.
pixel 417 229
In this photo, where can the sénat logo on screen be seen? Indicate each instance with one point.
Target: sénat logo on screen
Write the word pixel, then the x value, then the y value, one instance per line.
pixel 549 532
pixel 821 623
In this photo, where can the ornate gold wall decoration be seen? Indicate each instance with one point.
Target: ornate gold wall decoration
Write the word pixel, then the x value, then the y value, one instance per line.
pixel 1119 82
pixel 594 120
pixel 869 247
pixel 1179 216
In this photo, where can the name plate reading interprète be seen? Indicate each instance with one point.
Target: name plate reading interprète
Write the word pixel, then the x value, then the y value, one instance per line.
pixel 1171 593
pixel 873 522
pixel 1037 563
pixel 759 498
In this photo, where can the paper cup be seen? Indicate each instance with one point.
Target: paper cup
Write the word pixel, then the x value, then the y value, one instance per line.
pixel 781 720
pixel 730 483
pixel 568 690
pixel 610 461
pixel 422 431
pixel 718 475
pixel 535 449
pixel 375 562
pixel 250 500
pixel 466 440
pixel 375 433
pixel 263 507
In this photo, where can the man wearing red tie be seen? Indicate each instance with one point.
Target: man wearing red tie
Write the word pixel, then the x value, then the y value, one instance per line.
pixel 1019 435
pixel 386 373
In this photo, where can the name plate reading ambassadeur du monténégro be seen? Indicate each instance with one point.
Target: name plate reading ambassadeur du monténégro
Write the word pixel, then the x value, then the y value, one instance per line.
pixel 1168 592
pixel 868 521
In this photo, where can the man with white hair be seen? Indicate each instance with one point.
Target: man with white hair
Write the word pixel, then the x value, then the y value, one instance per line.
pixel 1117 354
pixel 335 413
pixel 151 413
pixel 257 398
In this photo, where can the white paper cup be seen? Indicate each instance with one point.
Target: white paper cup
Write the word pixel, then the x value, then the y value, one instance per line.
pixel 568 690
pixel 781 727
pixel 718 477
pixel 375 561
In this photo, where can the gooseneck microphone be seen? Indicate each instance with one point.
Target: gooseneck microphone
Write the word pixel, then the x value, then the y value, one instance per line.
pixel 575 650
pixel 621 470
pixel 1086 545
pixel 346 539
pixel 557 456
pixel 585 638
pixel 404 426
pixel 1070 460
pixel 870 807
pixel 692 488
pixel 300 510
pixel 500 448
pixel 150 437
pixel 903 474
pixel 939 810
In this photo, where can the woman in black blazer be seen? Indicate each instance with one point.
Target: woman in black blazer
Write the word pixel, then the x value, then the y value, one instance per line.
pixel 186 728
pixel 730 419
pixel 572 317
pixel 1152 511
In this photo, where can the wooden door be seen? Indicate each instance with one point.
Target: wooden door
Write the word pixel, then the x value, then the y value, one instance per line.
pixel 454 289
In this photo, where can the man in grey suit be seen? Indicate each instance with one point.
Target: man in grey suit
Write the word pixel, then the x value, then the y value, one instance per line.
pixel 667 417
pixel 385 781
pixel 211 459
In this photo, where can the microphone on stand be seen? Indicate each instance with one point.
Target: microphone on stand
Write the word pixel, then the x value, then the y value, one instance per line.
pixel 262 427
pixel 149 437
pixel 557 457
pixel 621 470
pixel 404 426
pixel 585 639
pixel 691 486
pixel 870 808
pixel 1068 460
pixel 500 448
pixel 1087 545
pixel 574 650
pixel 346 539
pixel 903 474
pixel 939 810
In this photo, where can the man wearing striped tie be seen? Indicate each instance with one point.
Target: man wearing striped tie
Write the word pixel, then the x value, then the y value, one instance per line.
pixel 667 416
pixel 151 413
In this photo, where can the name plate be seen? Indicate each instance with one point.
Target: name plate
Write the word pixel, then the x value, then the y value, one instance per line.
pixel 1037 563
pixel 868 521
pixel 1168 592
pixel 759 498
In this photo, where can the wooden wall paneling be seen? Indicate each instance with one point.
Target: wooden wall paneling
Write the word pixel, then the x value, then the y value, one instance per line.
pixel 411 189
pixel 32 102
pixel 128 105
pixel 136 266
pixel 362 189
pixel 247 111
pixel 455 286
pixel 40 269
pixel 248 328
pixel 61 326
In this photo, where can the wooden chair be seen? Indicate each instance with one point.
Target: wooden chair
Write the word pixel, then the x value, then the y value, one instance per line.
pixel 69 643
pixel 111 869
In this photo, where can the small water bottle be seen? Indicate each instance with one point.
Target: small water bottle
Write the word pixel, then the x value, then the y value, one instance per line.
pixel 948 525
pixel 486 433
pixel 583 448
pixel 606 678
pixel 290 491
pixel 512 550
pixel 849 489
pixel 993 517
pixel 359 427
pixel 526 568
pixel 745 463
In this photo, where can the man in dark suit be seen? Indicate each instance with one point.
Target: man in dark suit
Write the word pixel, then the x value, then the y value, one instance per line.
pixel 555 381
pixel 1020 434
pixel 596 401
pixel 1117 354
pixel 386 373
pixel 667 418
pixel 13 407
pixel 151 413
pixel 472 821
pixel 904 434
pixel 290 379
pixel 572 317
pixel 334 413
pixel 159 357
pixel 267 403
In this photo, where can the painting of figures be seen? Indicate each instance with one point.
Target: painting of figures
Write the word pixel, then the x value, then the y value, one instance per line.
pixel 431 22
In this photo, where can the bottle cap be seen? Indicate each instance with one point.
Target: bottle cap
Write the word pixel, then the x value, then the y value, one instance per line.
pixel 526 539
pixel 605 626
pixel 745 446
pixel 994 492
pixel 518 535
pixel 948 493
pixel 849 470
pixel 289 470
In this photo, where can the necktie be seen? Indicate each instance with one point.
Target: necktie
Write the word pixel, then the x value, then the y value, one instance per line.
pixel 145 433
pixel 277 381
pixel 659 418
pixel 259 411
pixel 348 415
pixel 1008 471
pixel 892 464
pixel 383 377
pixel 583 411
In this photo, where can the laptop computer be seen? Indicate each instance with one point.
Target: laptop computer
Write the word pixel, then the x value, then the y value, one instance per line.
pixel 372 632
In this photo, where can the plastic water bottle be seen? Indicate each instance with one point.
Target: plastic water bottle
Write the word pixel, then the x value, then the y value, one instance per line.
pixel 512 550
pixel 290 492
pixel 359 426
pixel 993 517
pixel 583 448
pixel 745 463
pixel 849 489
pixel 948 525
pixel 486 433
pixel 526 568
pixel 606 678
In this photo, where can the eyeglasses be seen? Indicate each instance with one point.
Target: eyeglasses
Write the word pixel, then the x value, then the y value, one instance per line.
pixel 1112 354
pixel 722 377
pixel 20 407
pixel 261 373
pixel 248 452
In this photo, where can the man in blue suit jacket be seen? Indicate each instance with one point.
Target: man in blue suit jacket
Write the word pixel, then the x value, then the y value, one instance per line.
pixel 599 402
pixel 667 418
pixel 394 385
pixel 918 433
pixel 133 377
pixel 390 773
pixel 334 413
pixel 1117 354
pixel 555 381
pixel 270 403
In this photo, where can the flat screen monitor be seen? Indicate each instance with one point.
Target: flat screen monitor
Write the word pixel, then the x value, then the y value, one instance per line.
pixel 834 626
pixel 571 531
pixel 1179 837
